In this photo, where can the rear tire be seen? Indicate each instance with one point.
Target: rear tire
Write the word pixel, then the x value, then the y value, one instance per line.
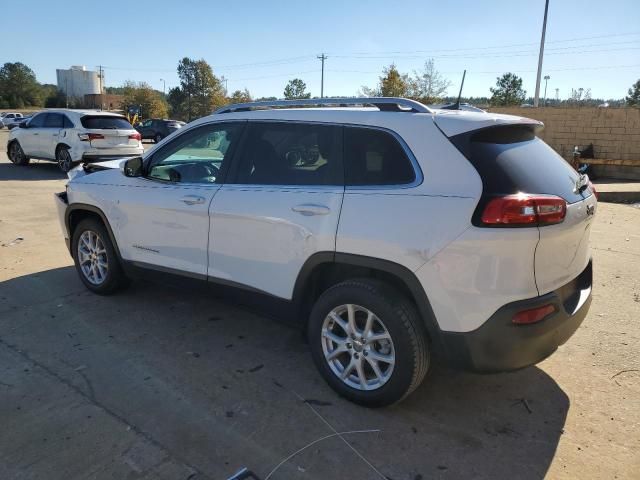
pixel 63 157
pixel 16 154
pixel 158 138
pixel 396 341
pixel 95 258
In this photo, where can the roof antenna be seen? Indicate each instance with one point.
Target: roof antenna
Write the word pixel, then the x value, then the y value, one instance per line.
pixel 457 104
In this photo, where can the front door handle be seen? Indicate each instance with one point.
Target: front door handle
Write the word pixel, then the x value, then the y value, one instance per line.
pixel 192 200
pixel 309 209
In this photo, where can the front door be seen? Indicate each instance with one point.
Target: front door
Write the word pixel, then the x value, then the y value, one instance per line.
pixel 163 218
pixel 30 139
pixel 280 205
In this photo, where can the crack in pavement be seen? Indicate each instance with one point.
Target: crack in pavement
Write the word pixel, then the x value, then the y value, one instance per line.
pixel 92 400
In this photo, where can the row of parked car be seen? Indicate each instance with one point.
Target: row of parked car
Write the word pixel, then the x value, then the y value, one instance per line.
pixel 71 136
pixel 12 119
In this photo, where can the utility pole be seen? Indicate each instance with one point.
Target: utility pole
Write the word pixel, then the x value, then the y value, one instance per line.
pixel 546 79
pixel 100 77
pixel 557 94
pixel 322 57
pixel 544 31
pixel 66 89
pixel 164 87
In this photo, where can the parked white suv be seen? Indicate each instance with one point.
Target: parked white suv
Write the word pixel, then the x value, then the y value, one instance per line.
pixel 68 136
pixel 389 232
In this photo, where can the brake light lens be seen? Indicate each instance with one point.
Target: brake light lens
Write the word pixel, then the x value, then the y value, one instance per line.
pixel 135 136
pixel 524 209
pixel 87 137
pixel 533 315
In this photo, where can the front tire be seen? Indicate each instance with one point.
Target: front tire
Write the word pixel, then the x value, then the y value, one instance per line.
pixel 368 342
pixel 95 258
pixel 63 157
pixel 16 154
pixel 158 138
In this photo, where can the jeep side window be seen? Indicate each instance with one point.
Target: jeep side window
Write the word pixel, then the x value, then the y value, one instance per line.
pixel 375 157
pixel 197 156
pixel 289 153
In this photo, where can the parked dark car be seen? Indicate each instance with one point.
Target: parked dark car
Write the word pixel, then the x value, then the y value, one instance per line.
pixel 157 128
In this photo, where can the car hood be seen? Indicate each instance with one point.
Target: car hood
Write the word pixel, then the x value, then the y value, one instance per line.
pixel 88 168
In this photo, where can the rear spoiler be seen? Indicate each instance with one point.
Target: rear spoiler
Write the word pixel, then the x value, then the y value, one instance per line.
pixel 456 122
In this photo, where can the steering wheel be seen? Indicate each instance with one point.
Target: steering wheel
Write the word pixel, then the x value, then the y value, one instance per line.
pixel 202 171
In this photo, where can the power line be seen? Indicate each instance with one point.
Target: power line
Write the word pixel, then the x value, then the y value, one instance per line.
pixel 497 46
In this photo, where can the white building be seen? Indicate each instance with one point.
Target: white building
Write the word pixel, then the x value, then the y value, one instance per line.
pixel 78 81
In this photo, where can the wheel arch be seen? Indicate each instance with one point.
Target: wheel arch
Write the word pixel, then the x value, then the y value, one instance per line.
pixel 324 269
pixel 76 212
pixel 62 145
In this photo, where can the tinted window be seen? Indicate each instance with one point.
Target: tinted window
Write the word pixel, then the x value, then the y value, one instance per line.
pixel 197 156
pixel 67 123
pixel 38 120
pixel 54 120
pixel 290 154
pixel 375 157
pixel 512 159
pixel 105 122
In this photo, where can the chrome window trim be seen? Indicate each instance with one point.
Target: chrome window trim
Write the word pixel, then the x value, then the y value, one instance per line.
pixel 419 178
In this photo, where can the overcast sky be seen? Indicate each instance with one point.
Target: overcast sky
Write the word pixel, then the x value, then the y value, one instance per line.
pixel 260 45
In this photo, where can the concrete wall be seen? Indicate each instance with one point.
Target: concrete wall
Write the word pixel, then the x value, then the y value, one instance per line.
pixel 614 132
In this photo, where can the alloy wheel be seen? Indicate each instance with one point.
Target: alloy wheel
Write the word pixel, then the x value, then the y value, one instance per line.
pixel 15 153
pixel 92 257
pixel 64 160
pixel 358 347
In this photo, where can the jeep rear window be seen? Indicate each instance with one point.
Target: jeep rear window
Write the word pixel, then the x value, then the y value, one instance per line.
pixel 105 122
pixel 511 159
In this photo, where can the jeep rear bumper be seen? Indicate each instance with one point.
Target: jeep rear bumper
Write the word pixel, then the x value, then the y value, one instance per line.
pixel 500 345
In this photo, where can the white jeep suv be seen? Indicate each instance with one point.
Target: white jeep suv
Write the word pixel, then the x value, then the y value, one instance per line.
pixel 389 232
pixel 69 136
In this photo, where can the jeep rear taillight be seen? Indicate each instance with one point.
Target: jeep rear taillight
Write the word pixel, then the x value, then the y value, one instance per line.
pixel 523 210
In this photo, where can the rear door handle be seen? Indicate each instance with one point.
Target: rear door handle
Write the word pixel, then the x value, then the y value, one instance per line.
pixel 309 209
pixel 192 200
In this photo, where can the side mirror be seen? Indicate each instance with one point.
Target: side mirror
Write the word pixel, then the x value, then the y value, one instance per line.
pixel 132 167
pixel 23 125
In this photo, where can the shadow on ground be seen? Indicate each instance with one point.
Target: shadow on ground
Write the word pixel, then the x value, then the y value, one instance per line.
pixel 36 170
pixel 220 388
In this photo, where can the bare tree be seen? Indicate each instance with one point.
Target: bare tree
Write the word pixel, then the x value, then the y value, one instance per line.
pixel 428 85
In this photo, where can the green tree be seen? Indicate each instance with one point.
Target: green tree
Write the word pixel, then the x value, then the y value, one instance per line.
pixel 150 102
pixel 240 96
pixel 633 100
pixel 391 84
pixel 202 90
pixel 295 90
pixel 428 85
pixel 508 91
pixel 19 87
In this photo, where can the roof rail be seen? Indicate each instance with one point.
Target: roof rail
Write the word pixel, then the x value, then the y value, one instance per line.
pixel 385 104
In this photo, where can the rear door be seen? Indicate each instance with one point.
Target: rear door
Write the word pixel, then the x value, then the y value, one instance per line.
pixel 280 206
pixel 511 160
pixel 48 138
pixel 109 132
